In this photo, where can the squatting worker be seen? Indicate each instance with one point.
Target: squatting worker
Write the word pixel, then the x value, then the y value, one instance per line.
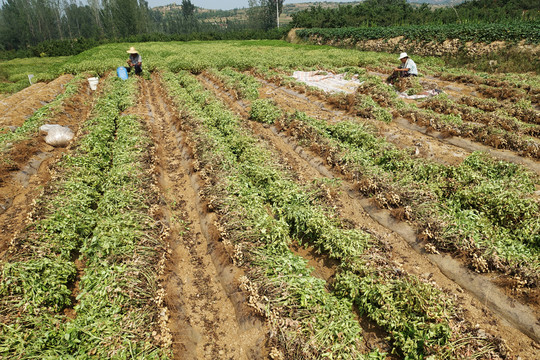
pixel 405 69
pixel 134 60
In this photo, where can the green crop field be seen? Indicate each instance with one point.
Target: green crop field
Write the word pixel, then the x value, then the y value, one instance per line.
pixel 216 207
pixel 511 32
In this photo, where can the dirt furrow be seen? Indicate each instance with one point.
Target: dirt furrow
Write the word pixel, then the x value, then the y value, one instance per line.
pixel 16 108
pixel 400 239
pixel 420 144
pixel 207 317
pixel 24 168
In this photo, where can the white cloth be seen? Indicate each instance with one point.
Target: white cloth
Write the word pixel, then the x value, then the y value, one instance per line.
pixel 423 94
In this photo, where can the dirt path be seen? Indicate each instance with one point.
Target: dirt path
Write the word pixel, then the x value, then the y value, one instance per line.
pixel 208 318
pixel 25 167
pixel 358 211
pixel 16 108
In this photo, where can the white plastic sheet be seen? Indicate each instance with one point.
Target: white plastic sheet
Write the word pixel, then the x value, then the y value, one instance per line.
pixel 93 82
pixel 328 82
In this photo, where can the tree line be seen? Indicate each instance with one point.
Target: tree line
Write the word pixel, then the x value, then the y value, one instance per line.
pixel 29 22
pixel 67 27
pixel 399 12
pixel 26 23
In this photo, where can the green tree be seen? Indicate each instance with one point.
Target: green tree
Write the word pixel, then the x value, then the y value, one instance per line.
pixel 188 9
pixel 262 14
pixel 17 27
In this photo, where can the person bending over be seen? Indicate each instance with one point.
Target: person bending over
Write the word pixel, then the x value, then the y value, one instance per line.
pixel 405 69
pixel 134 61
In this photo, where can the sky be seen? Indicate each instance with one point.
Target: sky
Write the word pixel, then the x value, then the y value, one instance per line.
pixel 225 4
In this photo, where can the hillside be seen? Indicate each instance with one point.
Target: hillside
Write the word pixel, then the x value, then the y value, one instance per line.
pixel 241 14
pixel 288 9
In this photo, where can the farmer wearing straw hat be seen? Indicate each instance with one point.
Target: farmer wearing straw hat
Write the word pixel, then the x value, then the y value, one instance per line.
pixel 405 69
pixel 134 60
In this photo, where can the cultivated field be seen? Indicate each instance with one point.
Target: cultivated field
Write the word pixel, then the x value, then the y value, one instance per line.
pixel 217 208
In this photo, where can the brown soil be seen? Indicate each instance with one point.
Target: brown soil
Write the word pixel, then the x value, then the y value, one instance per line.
pixel 16 108
pixel 419 144
pixel 75 287
pixel 204 310
pixel 359 211
pixel 24 168
pixel 208 315
pixel 419 137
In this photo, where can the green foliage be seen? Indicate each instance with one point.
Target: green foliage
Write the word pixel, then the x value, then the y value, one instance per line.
pixel 265 111
pixel 495 194
pixel 14 73
pixel 97 212
pixel 198 56
pixel 400 12
pixel 262 14
pixel 269 211
pixel 41 282
pixel 367 107
pixel 333 326
pixel 513 32
pixel 393 304
pixel 245 86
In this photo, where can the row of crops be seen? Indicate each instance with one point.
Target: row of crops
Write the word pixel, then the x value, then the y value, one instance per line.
pixel 263 211
pixel 487 33
pixel 80 279
pixel 507 125
pixel 510 122
pixel 483 207
pixel 197 56
pixel 471 199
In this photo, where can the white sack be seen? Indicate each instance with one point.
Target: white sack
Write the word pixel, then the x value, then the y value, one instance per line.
pixel 57 135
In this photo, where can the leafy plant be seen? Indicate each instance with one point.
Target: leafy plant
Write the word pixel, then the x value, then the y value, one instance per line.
pixel 265 111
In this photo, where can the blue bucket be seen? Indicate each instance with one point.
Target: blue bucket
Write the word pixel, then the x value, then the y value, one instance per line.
pixel 122 73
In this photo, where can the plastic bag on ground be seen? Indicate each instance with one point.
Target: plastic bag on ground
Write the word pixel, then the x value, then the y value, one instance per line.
pixel 57 135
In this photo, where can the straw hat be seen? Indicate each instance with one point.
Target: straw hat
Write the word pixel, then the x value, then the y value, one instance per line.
pixel 401 56
pixel 132 51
